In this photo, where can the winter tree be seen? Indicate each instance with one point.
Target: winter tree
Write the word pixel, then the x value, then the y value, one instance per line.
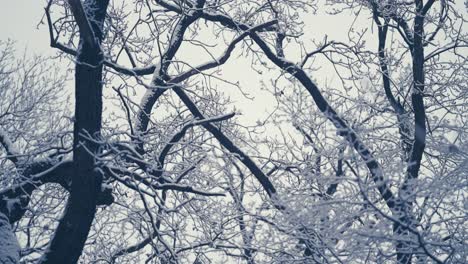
pixel 203 131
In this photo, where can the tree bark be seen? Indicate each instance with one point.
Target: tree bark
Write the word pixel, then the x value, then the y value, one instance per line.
pixel 404 249
pixel 9 248
pixel 68 241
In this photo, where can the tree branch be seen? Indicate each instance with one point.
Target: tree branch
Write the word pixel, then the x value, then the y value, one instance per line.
pixel 86 31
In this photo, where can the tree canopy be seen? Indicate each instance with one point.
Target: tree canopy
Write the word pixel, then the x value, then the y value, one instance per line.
pixel 234 131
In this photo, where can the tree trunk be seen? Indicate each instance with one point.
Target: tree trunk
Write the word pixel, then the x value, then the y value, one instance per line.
pixel 9 248
pixel 68 241
pixel 405 250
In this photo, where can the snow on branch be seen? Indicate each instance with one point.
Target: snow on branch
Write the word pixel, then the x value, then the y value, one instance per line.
pixel 9 146
pixel 86 30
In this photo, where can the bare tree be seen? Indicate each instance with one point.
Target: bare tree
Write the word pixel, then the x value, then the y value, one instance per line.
pixel 160 168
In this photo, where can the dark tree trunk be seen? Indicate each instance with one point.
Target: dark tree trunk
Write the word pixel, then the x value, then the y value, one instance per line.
pixel 404 249
pixel 71 234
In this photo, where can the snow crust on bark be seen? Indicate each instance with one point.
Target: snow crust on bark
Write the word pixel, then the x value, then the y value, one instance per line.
pixel 9 247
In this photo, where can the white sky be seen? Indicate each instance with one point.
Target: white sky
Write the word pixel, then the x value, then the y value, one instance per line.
pixel 20 24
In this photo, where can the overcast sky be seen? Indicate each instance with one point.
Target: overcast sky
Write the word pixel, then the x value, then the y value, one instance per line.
pixel 19 20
